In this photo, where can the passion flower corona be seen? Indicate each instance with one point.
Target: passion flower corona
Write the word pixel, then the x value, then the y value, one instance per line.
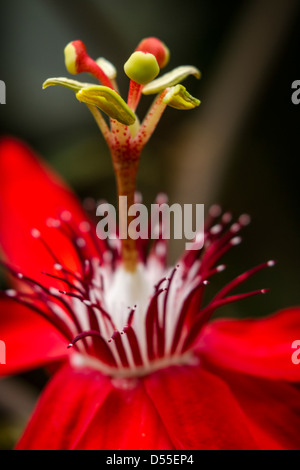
pixel 142 365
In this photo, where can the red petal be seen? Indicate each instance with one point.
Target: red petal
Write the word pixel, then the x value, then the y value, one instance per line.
pixel 260 347
pixel 272 409
pixel 30 341
pixel 29 194
pixel 65 409
pixel 86 410
pixel 126 421
pixel 198 410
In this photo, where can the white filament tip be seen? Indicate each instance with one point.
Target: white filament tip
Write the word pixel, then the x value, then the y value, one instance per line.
pixel 215 210
pixel 35 233
pixel 10 292
pixel 236 241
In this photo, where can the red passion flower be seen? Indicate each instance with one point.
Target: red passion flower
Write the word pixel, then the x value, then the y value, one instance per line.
pixel 139 362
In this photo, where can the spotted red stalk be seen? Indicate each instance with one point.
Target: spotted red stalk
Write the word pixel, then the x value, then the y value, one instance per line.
pixel 124 135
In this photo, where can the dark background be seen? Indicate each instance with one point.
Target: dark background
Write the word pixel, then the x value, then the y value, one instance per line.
pixel 240 148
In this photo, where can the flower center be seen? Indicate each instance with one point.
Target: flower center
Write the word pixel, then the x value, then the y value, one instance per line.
pixel 128 290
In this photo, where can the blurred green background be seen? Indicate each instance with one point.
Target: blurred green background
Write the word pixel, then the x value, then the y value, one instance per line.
pixel 240 148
